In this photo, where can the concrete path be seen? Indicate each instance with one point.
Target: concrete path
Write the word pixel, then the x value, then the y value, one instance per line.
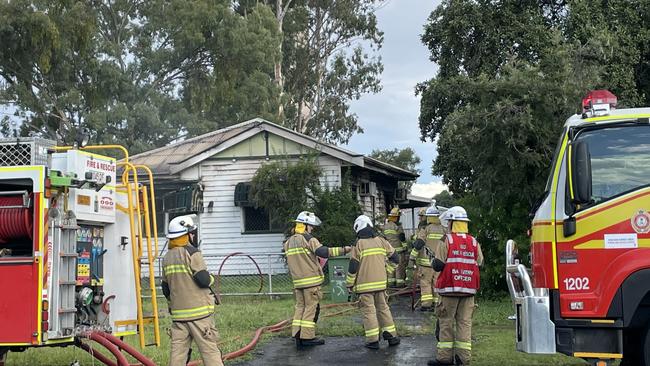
pixel 414 351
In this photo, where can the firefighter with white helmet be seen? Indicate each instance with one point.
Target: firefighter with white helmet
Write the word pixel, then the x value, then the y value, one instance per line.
pixel 458 253
pixel 302 250
pixel 186 285
pixel 428 240
pixel 367 277
pixel 394 233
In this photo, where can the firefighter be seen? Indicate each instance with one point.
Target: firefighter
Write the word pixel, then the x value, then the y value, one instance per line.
pixel 461 254
pixel 394 233
pixel 302 250
pixel 424 246
pixel 367 277
pixel 186 285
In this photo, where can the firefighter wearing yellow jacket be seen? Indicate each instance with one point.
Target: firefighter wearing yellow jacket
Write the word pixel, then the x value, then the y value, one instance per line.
pixel 394 233
pixel 186 285
pixel 367 277
pixel 302 250
pixel 427 241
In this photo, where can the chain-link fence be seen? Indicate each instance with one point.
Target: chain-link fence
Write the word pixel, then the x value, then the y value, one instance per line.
pixel 245 274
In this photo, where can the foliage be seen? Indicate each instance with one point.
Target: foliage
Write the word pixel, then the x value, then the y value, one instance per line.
pixel 404 158
pixel 285 188
pixel 509 76
pixel 139 73
pixel 325 64
pixel 337 208
pixel 445 199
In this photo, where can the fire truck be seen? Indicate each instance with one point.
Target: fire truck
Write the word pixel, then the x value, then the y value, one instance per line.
pixel 587 294
pixel 76 229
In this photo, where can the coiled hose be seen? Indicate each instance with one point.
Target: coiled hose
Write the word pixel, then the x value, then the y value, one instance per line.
pixel 15 223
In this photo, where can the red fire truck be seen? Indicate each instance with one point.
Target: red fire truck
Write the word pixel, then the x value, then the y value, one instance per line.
pixel 74 238
pixel 587 294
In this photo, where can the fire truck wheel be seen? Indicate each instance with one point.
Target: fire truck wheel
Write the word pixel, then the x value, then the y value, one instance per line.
pixel 645 347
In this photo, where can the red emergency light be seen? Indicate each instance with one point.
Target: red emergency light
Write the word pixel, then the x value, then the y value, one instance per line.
pixel 596 97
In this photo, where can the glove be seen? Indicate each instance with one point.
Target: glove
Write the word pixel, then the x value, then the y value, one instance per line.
pixel 437 264
pixel 347 249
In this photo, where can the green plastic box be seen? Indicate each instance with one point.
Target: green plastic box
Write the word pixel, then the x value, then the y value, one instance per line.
pixel 338 269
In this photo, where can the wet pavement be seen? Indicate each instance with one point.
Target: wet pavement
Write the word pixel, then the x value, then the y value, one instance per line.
pixel 415 350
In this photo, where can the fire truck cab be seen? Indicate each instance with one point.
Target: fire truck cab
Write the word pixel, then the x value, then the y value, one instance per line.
pixel 73 235
pixel 587 294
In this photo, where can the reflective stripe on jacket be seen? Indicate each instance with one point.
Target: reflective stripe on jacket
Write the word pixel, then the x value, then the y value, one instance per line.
pixel 372 255
pixel 461 273
pixel 187 301
pixel 303 263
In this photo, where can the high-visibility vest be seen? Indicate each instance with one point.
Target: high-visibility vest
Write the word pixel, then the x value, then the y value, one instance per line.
pixel 461 273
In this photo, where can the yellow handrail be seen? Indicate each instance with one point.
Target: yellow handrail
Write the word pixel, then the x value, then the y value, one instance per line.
pixel 134 243
pixel 97 147
pixel 153 204
pixel 152 258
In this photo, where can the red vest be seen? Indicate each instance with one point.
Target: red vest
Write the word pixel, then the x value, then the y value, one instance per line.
pixel 461 273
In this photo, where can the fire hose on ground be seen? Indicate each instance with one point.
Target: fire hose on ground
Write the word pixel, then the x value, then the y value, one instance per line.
pixel 114 345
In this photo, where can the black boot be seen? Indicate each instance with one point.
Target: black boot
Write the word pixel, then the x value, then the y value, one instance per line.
pixel 372 345
pixel 426 308
pixel 438 363
pixel 312 342
pixel 392 340
pixel 459 362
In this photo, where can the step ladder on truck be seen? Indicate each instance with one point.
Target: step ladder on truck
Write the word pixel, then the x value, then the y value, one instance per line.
pixel 587 293
pixel 76 229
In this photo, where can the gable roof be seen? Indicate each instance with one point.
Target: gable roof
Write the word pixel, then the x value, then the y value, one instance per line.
pixel 172 159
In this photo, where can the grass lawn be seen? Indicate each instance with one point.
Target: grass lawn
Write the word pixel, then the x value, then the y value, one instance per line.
pixel 239 317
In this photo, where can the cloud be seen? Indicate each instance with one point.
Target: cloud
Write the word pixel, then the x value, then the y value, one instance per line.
pixel 427 190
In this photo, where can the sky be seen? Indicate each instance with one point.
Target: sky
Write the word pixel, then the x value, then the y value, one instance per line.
pixel 390 118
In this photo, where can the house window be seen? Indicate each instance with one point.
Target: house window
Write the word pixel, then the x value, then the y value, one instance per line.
pixel 257 221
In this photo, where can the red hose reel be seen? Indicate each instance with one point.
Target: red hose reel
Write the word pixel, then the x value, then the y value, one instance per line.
pixel 16 220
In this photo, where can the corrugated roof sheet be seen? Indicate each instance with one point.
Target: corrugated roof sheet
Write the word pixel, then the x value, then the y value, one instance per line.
pixel 160 159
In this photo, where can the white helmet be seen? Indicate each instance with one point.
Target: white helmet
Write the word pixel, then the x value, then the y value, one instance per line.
pixel 361 223
pixel 180 226
pixel 432 211
pixel 455 213
pixel 308 218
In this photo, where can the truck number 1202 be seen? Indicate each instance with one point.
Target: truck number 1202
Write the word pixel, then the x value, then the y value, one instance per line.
pixel 576 284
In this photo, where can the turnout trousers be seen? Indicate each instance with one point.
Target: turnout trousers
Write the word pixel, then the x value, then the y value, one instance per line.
pixel 398 277
pixel 428 279
pixel 306 312
pixel 376 315
pixel 203 333
pixel 455 319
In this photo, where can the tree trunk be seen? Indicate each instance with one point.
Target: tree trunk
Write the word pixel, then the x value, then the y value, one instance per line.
pixel 279 78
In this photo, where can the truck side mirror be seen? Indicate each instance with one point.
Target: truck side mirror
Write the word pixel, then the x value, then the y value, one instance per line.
pixel 580 174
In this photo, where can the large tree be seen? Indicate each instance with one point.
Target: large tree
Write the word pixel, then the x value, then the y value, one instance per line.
pixel 327 62
pixel 140 73
pixel 510 74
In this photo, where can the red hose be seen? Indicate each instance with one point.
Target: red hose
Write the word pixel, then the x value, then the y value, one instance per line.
pixel 144 360
pixel 121 359
pixel 259 271
pixel 15 223
pixel 99 356
pixel 106 308
pixel 258 333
